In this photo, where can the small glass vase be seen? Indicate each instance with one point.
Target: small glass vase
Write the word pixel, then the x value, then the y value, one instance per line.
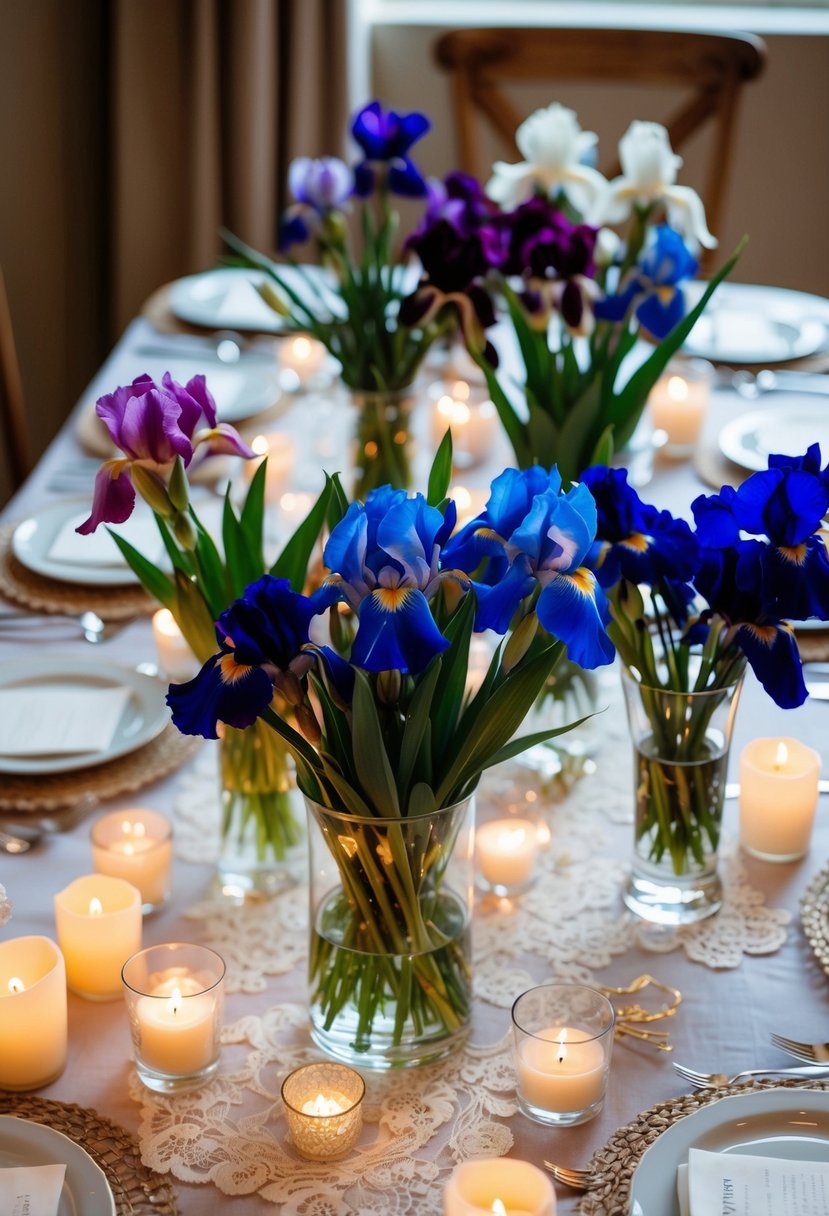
pixel 390 969
pixel 681 744
pixel 383 439
pixel 262 832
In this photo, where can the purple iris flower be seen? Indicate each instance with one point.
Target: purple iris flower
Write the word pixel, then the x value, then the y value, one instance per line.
pixel 654 285
pixel 385 138
pixel 319 187
pixel 153 425
pixel 261 638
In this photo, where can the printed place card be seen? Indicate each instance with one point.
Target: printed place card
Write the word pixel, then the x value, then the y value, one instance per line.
pixel 54 720
pixel 31 1190
pixel 737 1184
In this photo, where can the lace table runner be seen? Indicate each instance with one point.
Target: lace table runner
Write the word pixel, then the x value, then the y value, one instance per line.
pixel 419 1123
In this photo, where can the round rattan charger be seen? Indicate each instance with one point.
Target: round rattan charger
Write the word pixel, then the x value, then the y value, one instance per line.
pixel 136 1189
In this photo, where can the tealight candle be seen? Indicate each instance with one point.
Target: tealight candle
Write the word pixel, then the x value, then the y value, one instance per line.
pixel 498 1186
pixel 507 853
pixel 280 451
pixel 778 798
pixel 323 1107
pixel 175 657
pixel 471 417
pixel 98 921
pixel 563 1035
pixel 300 359
pixel 136 845
pixel 678 403
pixel 175 997
pixel 33 1026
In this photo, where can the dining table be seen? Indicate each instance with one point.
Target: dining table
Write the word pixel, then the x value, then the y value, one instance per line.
pixel 750 971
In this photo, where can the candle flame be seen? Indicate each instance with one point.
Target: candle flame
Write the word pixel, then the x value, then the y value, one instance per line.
pixel 95 906
pixel 460 390
pixel 512 838
pixel 165 622
pixel 498 1208
pixel 322 1106
pixel 16 985
pixel 302 348
pixel 562 1050
pixel 175 1000
pixel 677 389
pixel 454 411
pixel 782 754
pixel 260 445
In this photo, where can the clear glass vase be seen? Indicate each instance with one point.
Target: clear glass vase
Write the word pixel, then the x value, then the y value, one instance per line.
pixel 383 439
pixel 390 970
pixel 570 694
pixel 681 744
pixel 262 837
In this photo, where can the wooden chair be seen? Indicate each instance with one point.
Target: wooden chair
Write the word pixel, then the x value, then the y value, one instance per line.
pixel 712 66
pixel 16 446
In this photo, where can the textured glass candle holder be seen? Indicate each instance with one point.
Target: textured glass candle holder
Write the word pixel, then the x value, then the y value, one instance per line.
pixel 323 1106
pixel 175 998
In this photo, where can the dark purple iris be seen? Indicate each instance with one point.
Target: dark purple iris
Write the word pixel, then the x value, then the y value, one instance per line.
pixel 385 138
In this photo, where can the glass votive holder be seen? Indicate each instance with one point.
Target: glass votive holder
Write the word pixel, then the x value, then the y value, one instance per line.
pixel 136 845
pixel 98 922
pixel 499 1185
pixel 563 1037
pixel 778 798
pixel 678 403
pixel 323 1107
pixel 466 410
pixel 507 852
pixel 175 1000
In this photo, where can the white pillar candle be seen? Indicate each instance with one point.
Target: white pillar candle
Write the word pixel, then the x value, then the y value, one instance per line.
pixel 280 451
pixel 136 845
pixel 678 403
pixel 33 1026
pixel 507 852
pixel 300 359
pixel 778 798
pixel 471 417
pixel 561 1070
pixel 98 921
pixel 175 658
pixel 498 1186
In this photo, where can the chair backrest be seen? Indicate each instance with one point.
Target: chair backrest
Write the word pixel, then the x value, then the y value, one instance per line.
pixel 14 431
pixel 712 67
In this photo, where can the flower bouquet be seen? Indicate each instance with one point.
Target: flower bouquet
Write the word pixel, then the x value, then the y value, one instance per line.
pixel 164 431
pixel 717 596
pixel 388 740
pixel 577 296
pixel 355 310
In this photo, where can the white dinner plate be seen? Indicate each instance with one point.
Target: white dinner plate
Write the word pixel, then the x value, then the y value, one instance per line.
pixel 33 538
pixel 85 1190
pixel 241 390
pixel 746 323
pixel 786 426
pixel 145 716
pixel 786 1123
pixel 227 298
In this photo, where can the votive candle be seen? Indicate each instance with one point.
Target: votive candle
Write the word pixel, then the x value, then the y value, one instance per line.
pixel 33 1024
pixel 778 798
pixel 499 1185
pixel 678 403
pixel 323 1107
pixel 507 853
pixel 301 358
pixel 98 920
pixel 137 845
pixel 175 657
pixel 468 413
pixel 279 450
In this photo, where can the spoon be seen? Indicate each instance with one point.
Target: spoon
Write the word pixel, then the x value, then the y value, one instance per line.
pixel 20 841
pixel 93 628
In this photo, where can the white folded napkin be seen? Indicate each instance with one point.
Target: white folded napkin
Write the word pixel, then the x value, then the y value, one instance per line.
pixel 31 1190
pixel 740 1184
pixel 99 549
pixel 242 303
pixel 54 720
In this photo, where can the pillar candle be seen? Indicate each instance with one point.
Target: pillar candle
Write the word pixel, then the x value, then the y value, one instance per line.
pixel 302 358
pixel 498 1185
pixel 778 798
pixel 33 1027
pixel 98 920
pixel 136 845
pixel 175 657
pixel 678 403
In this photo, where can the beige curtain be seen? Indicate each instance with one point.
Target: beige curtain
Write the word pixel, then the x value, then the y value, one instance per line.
pixel 211 101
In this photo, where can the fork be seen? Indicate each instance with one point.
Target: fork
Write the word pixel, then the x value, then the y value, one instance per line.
pixel 92 627
pixel 713 1080
pixel 579 1180
pixel 812 1053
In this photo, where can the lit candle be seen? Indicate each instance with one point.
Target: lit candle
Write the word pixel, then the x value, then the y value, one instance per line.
pixel 175 657
pixel 469 502
pixel 498 1185
pixel 98 921
pixel 174 996
pixel 32 1013
pixel 507 852
pixel 778 798
pixel 323 1108
pixel 469 415
pixel 678 403
pixel 300 359
pixel 136 845
pixel 280 451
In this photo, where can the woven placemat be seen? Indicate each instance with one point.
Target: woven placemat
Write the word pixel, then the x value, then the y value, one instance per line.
pixel 618 1159
pixel 814 916
pixel 136 1189
pixel 123 775
pixel 42 594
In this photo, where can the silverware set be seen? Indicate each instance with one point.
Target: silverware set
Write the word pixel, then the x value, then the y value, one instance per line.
pixel 92 627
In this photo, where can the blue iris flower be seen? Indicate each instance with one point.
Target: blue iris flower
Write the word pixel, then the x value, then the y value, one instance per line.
pixel 261 636
pixel 384 557
pixel 655 283
pixel 532 537
pixel 385 138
